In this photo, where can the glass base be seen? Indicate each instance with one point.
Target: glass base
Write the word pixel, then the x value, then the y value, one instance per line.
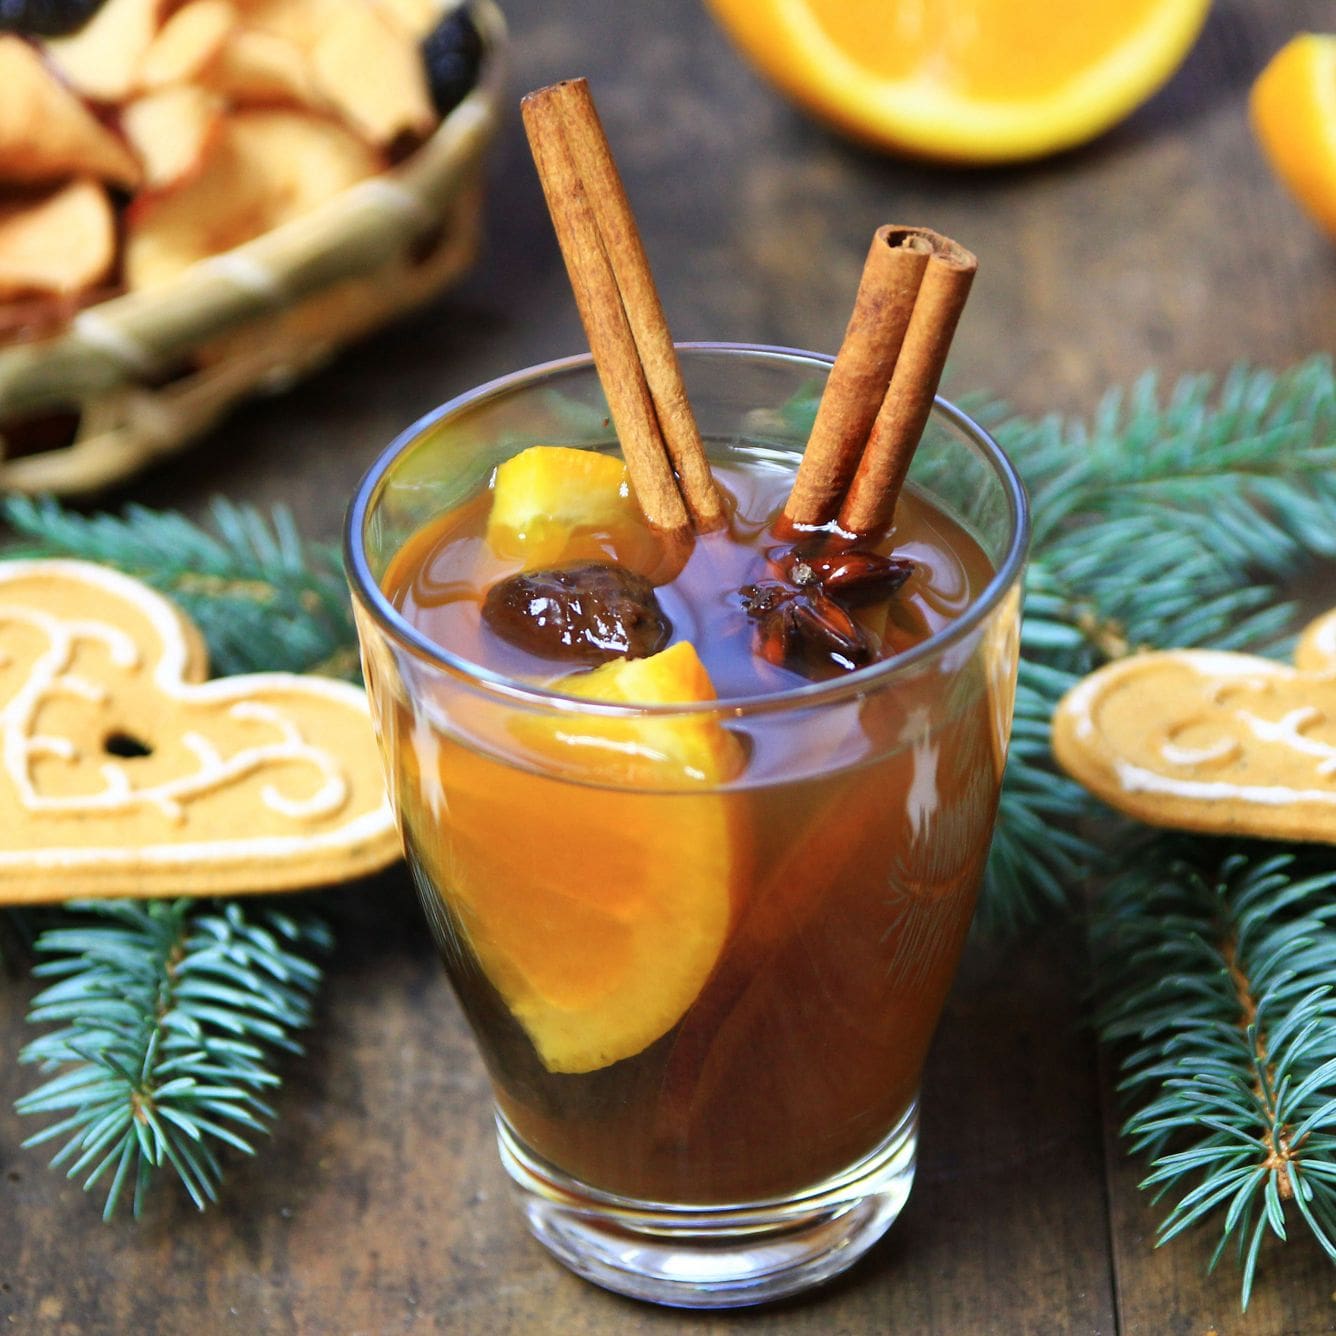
pixel 714 1256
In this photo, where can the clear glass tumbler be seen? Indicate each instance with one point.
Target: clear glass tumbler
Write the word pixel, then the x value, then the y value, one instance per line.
pixel 704 1006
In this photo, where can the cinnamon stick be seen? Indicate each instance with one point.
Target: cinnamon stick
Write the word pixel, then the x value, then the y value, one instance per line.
pixel 861 374
pixel 945 285
pixel 620 309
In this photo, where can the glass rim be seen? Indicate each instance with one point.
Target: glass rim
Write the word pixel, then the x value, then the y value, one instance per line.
pixel 393 624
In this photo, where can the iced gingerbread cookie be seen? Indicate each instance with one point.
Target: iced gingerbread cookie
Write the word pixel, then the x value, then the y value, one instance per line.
pixel 1229 744
pixel 124 772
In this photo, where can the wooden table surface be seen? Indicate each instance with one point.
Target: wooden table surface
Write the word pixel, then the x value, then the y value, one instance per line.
pixel 378 1204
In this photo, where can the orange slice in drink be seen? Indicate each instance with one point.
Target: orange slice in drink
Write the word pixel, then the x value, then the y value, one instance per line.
pixel 546 495
pixel 597 899
pixel 1293 109
pixel 974 81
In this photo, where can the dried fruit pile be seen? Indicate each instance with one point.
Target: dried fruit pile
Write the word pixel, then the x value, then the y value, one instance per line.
pixel 161 132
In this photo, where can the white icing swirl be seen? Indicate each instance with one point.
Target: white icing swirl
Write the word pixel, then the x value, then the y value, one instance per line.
pixel 50 676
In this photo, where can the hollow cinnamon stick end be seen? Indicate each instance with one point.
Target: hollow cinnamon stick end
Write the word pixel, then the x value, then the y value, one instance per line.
pixel 901 236
pixel 893 236
pixel 892 272
pixel 869 504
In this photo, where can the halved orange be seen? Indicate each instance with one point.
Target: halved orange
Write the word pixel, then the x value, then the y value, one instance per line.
pixel 598 902
pixel 973 81
pixel 1293 110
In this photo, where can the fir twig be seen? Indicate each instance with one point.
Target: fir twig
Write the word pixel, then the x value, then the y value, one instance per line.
pixel 173 1012
pixel 1221 990
pixel 170 1015
pixel 1167 521
pixel 263 598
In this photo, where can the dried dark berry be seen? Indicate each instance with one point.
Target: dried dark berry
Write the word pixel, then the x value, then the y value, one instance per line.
pixel 451 54
pixel 587 613
pixel 46 18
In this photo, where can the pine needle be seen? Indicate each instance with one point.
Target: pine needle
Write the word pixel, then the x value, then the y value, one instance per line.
pixel 1169 520
pixel 264 599
pixel 1220 990
pixel 167 1019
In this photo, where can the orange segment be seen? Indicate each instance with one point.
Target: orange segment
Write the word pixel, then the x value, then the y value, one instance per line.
pixel 1293 109
pixel 650 752
pixel 597 906
pixel 966 80
pixel 544 494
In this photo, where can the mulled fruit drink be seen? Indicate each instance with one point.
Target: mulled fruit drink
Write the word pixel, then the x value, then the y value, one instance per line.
pixel 699 887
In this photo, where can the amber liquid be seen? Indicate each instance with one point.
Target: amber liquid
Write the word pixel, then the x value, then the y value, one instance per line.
pixel 858 834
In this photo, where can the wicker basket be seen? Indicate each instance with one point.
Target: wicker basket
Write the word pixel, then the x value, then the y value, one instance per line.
pixel 146 372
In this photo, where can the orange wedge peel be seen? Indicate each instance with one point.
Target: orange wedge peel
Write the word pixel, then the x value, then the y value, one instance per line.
pixel 598 905
pixel 973 81
pixel 1293 111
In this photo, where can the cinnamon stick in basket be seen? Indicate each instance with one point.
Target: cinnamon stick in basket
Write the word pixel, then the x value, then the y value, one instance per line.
pixel 880 391
pixel 620 310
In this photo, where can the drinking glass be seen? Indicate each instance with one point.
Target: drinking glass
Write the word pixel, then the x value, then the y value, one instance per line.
pixel 704 1007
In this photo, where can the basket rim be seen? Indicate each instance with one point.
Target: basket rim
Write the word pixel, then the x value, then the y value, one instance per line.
pixel 112 342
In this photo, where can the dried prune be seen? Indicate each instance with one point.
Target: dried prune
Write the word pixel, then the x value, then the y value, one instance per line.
pixel 587 613
pixel 452 53
pixel 46 18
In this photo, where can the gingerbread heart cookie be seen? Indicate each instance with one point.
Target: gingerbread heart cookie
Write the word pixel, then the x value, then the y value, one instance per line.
pixel 1211 741
pixel 124 772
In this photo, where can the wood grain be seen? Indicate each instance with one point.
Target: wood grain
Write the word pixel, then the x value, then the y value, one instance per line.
pixel 378 1204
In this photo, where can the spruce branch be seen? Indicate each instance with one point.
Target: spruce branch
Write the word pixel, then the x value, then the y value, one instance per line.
pixel 1168 520
pixel 169 1018
pixel 1219 976
pixel 265 599
pixel 173 1012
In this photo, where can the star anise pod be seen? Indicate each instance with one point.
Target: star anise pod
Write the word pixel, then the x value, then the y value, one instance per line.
pixel 802 613
pixel 853 576
pixel 804 629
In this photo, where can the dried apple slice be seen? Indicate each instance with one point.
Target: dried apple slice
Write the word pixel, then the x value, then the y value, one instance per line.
pixel 365 65
pixel 46 133
pixel 187 43
pixel 256 68
pixel 416 17
pixel 102 59
pixel 262 169
pixel 170 131
pixel 296 21
pixel 61 243
pixel 372 72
